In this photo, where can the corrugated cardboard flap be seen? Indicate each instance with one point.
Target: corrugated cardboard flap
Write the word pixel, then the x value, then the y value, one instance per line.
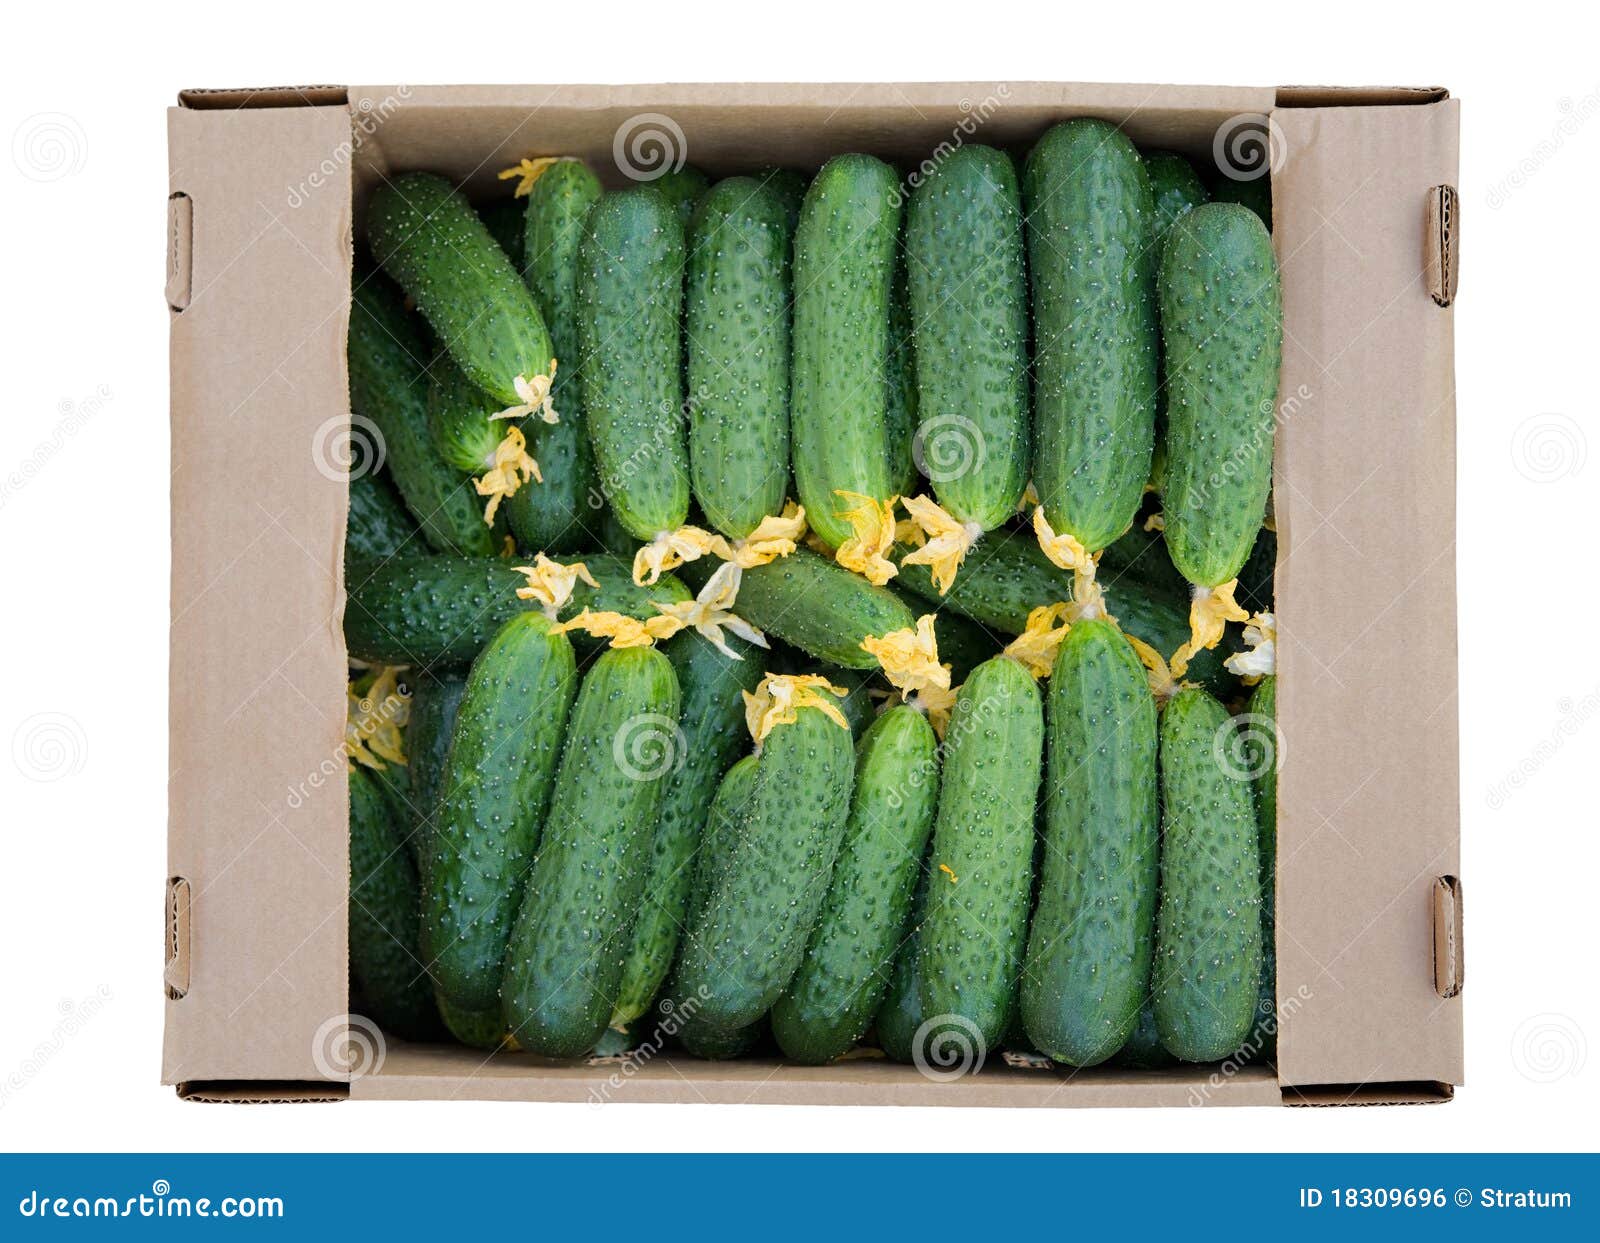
pixel 1368 810
pixel 257 840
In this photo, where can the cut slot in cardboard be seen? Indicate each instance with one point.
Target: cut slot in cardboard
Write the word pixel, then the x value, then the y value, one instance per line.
pixel 265 187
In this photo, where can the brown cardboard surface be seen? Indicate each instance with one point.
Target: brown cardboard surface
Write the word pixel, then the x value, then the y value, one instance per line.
pixel 256 699
pixel 1368 811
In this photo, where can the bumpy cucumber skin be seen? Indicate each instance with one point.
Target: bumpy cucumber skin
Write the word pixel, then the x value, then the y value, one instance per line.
pixel 1261 752
pixel 566 954
pixel 477 1029
pixel 630 309
pixel 711 721
pixel 901 412
pixel 497 780
pixel 427 237
pixel 558 515
pixel 790 187
pixel 435 701
pixel 385 964
pixel 832 997
pixel 1208 930
pixel 900 1015
pixel 976 924
pixel 386 356
pixel 504 218
pixel 1088 966
pixel 1092 259
pixel 378 524
pixel 969 306
pixel 683 188
pixel 820 607
pixel 737 337
pixel 459 423
pixel 844 251
pixel 764 901
pixel 437 612
pixel 1222 313
pixel 1174 187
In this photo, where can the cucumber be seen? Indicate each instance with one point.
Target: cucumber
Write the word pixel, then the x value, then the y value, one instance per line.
pixel 1261 757
pixel 1221 311
pixel 497 779
pixel 630 308
pixel 844 252
pixel 715 851
pixel 557 515
pixel 504 218
pixel 969 309
pixel 1208 929
pixel 565 959
pixel 1092 258
pixel 737 337
pixel 682 188
pixel 1255 589
pixel 1142 556
pixel 437 612
pixel 832 998
pixel 1144 1050
pixel 435 701
pixel 901 412
pixel 858 706
pixel 459 414
pixel 1255 194
pixel 963 643
pixel 385 966
pixel 711 724
pixel 386 356
pixel 974 930
pixel 426 236
pixel 790 187
pixel 1088 965
pixel 477 1029
pixel 763 902
pixel 378 524
pixel 900 1016
pixel 1174 188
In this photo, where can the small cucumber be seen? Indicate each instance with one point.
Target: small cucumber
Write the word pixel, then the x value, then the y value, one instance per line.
pixel 1092 259
pixel 630 309
pixel 900 1016
pixel 737 337
pixel 557 515
pixel 1221 311
pixel 901 412
pixel 565 959
pixel 477 1029
pixel 1174 188
pixel 832 998
pixel 763 903
pixel 378 524
pixel 504 219
pixel 1260 739
pixel 683 188
pixel 492 796
pixel 386 356
pixel 711 734
pixel 433 613
pixel 976 924
pixel 427 237
pixel 385 965
pixel 1089 947
pixel 435 701
pixel 844 251
pixel 969 307
pixel 1208 930
pixel 459 414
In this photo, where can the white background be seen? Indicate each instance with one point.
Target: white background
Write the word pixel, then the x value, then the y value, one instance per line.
pixel 85 538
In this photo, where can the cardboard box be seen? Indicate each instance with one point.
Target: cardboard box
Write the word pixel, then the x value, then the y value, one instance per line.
pixel 265 186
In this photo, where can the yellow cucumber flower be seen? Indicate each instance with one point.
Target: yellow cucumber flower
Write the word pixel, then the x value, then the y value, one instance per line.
pixel 873 525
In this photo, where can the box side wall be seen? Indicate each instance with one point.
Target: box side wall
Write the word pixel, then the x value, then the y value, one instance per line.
pixel 257 796
pixel 1368 811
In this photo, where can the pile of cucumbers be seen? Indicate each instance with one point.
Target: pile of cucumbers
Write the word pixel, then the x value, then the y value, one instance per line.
pixel 744 850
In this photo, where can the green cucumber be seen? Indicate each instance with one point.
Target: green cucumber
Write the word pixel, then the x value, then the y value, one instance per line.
pixel 1256 577
pixel 388 389
pixel 435 701
pixel 437 612
pixel 1221 311
pixel 630 308
pixel 504 218
pixel 385 965
pixel 1174 188
pixel 497 779
pixel 378 524
pixel 1208 930
pixel 737 337
pixel 683 188
pixel 1254 193
pixel 459 414
pixel 857 705
pixel 1088 966
pixel 565 960
pixel 711 735
pixel 1142 556
pixel 976 924
pixel 969 308
pixel 1261 749
pixel 790 187
pixel 844 251
pixel 1092 259
pixel 901 372
pixel 900 1016
pixel 477 1029
pixel 427 237
pixel 557 515
pixel 763 902
pixel 1144 1050
pixel 963 643
pixel 832 998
